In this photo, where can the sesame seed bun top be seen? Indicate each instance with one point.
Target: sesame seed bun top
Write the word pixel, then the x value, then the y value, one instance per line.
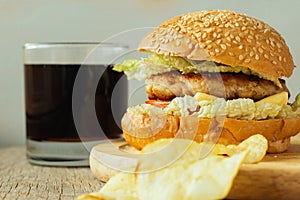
pixel 225 37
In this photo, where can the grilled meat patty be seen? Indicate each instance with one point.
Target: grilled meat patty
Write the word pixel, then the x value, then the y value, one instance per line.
pixel 173 84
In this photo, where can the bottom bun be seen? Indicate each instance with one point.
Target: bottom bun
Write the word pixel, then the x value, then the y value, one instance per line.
pixel 141 129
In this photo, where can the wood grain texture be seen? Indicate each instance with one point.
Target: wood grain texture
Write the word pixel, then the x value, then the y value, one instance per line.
pixel 21 180
pixel 276 177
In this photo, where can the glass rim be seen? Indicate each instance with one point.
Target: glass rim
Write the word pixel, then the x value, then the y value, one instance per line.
pixel 35 45
pixel 72 52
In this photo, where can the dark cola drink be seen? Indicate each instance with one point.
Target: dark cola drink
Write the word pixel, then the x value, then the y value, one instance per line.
pixel 71 107
pixel 49 91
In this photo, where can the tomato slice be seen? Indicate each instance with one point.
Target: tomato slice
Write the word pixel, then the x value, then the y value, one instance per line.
pixel 158 103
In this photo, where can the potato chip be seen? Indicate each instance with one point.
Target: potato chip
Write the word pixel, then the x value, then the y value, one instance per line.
pixel 209 178
pixel 255 146
pixel 183 169
pixel 166 152
pixel 122 186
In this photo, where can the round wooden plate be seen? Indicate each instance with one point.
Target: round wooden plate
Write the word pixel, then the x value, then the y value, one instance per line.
pixel 277 176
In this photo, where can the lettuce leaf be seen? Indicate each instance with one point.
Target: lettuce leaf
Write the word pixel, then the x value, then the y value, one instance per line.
pixel 157 64
pixel 154 64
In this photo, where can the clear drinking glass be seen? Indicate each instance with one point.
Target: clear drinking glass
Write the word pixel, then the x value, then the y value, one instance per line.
pixel 67 87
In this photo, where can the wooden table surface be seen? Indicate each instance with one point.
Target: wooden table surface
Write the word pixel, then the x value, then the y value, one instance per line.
pixel 21 180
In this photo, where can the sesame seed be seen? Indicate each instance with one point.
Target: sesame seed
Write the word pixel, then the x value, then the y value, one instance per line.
pixel 278 45
pixel 241 57
pixel 259 26
pixel 284 59
pixel 209 47
pixel 280 58
pixel 241 47
pixel 244 28
pixel 231 36
pixel 223 46
pixel 266 30
pixel 260 50
pixel 248 40
pixel 272 44
pixel 204 35
pixel 171 32
pixel 206 24
pixel 247 49
pixel 236 24
pixel 271 54
pixel 211 53
pixel 228 44
pixel 266 56
pixel 247 60
pixel 274 62
pixel 202 46
pixel 208 41
pixel 180 36
pixel 256 57
pixel 217 50
pixel 214 34
pixel 238 38
pixel 251 53
pixel 231 53
pixel 209 30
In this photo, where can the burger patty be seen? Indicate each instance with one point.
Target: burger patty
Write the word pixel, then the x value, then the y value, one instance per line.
pixel 169 85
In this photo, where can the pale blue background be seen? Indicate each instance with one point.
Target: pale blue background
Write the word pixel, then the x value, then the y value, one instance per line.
pixel 95 20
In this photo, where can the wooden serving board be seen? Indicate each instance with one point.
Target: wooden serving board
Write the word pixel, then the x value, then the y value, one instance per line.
pixel 277 176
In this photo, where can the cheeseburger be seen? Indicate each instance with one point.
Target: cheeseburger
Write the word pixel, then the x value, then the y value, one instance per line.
pixel 213 75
